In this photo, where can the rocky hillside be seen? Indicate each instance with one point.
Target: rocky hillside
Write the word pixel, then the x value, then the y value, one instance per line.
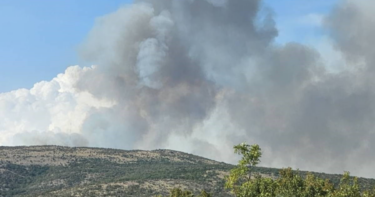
pixel 64 171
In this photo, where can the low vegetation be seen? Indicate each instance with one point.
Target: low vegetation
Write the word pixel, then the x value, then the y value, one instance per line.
pixel 62 171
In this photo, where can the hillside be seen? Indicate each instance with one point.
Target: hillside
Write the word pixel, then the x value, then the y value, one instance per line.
pixel 64 171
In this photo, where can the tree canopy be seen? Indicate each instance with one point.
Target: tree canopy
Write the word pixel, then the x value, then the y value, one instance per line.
pixel 242 183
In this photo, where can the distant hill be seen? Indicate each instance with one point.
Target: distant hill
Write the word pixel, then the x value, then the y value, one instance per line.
pixel 64 171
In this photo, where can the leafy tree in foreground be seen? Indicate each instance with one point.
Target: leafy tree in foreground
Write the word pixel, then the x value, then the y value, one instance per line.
pixel 242 183
pixel 177 192
pixel 239 181
pixel 205 194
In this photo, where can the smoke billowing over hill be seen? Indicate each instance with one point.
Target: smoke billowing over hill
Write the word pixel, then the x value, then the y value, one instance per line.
pixel 203 75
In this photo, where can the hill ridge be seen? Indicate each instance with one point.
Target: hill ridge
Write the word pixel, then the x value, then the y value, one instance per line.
pixel 61 171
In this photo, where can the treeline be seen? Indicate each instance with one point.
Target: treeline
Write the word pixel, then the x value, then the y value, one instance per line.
pixel 243 182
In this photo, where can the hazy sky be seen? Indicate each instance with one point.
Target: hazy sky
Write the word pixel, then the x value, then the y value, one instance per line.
pixel 39 38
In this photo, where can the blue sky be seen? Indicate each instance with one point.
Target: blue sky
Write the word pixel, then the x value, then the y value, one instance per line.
pixel 38 38
pixel 297 20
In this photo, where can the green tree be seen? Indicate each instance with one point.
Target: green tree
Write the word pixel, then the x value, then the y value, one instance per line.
pixel 239 180
pixel 289 183
pixel 177 192
pixel 348 187
pixel 204 194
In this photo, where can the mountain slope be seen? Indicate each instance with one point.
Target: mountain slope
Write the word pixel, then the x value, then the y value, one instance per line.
pixel 64 171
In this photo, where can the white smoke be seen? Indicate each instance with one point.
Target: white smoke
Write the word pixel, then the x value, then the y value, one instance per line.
pixel 202 76
pixel 48 107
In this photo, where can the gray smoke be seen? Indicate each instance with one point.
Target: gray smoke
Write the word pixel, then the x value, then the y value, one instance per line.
pixel 203 75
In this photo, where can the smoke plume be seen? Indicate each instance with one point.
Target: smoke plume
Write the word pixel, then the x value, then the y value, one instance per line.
pixel 203 75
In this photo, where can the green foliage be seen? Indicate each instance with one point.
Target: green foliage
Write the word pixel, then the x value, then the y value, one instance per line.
pixel 205 194
pixel 177 192
pixel 250 154
pixel 15 178
pixel 239 180
pixel 289 182
pixel 348 187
